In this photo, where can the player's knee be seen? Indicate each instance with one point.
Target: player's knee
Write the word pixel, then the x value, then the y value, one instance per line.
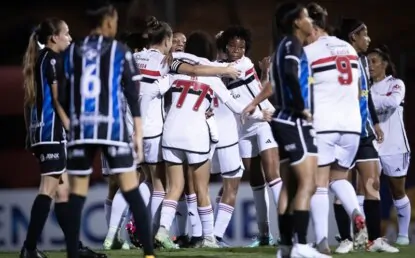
pixel 62 193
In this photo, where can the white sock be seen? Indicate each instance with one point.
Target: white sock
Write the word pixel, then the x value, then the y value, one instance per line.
pixel 156 200
pixel 319 208
pixel 346 194
pixel 261 201
pixel 223 218
pixel 118 207
pixel 361 200
pixel 215 210
pixel 181 218
pixel 145 192
pixel 194 215
pixel 206 217
pixel 403 208
pixel 168 211
pixel 107 211
pixel 275 186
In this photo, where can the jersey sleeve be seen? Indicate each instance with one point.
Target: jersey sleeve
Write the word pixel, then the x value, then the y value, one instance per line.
pixel 393 98
pixel 131 78
pixel 220 89
pixel 292 50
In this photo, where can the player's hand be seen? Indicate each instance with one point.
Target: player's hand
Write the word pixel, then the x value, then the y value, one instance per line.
pixel 209 113
pixel 379 133
pixel 232 72
pixel 138 142
pixel 168 59
pixel 267 115
pixel 307 115
pixel 248 110
pixel 264 64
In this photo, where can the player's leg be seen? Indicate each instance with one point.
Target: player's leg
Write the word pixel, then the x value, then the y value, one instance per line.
pixel 199 166
pixel 121 162
pixel 51 170
pixel 193 214
pixel 395 167
pixel 155 164
pixel 252 162
pixel 174 161
pixel 79 167
pixel 319 205
pixel 62 211
pixel 227 161
pixel 346 149
pixel 268 149
pixel 112 188
pixel 303 161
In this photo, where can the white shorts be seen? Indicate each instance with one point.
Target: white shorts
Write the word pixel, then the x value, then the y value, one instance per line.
pixel 395 165
pixel 180 156
pixel 337 147
pixel 152 150
pixel 252 146
pixel 227 161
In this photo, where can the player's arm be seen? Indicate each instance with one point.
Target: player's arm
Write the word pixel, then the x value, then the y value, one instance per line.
pixel 392 99
pixel 203 70
pixel 56 78
pixel 225 96
pixel 291 61
pixel 372 110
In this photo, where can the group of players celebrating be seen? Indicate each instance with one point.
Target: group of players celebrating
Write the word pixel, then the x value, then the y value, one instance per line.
pixel 182 109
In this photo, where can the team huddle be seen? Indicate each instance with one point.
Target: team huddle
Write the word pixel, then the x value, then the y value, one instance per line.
pixel 175 110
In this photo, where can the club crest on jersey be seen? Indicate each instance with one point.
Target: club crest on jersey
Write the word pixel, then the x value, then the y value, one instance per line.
pixel 53 61
pixel 396 87
pixel 90 53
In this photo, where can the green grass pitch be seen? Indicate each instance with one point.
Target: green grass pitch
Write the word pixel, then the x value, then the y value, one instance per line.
pixel 263 252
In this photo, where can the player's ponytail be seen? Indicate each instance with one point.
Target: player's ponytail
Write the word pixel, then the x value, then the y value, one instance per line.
pixel 157 31
pixel 384 53
pixel 29 62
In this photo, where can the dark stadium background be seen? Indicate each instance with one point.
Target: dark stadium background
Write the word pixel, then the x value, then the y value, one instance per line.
pixel 389 22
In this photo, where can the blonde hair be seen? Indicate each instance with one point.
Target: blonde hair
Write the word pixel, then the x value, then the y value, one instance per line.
pixel 29 63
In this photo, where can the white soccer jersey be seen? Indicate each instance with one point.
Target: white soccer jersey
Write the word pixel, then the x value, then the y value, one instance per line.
pixel 388 97
pixel 150 63
pixel 244 90
pixel 226 124
pixel 336 75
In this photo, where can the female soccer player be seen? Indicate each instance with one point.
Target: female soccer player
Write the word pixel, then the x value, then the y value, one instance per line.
pixel 94 68
pixel 44 116
pixel 388 93
pixel 190 142
pixel 257 146
pixel 179 42
pixel 367 160
pixel 291 123
pixel 152 68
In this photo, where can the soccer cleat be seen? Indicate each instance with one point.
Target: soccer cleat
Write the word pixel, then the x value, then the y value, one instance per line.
pixel 195 242
pixel 163 239
pixel 306 251
pixel 381 245
pixel 262 241
pixel 360 231
pixel 209 242
pixel 402 240
pixel 182 241
pixel 24 253
pixel 85 252
pixel 345 247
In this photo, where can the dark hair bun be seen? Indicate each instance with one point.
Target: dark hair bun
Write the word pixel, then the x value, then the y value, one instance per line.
pixel 316 10
pixel 152 23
